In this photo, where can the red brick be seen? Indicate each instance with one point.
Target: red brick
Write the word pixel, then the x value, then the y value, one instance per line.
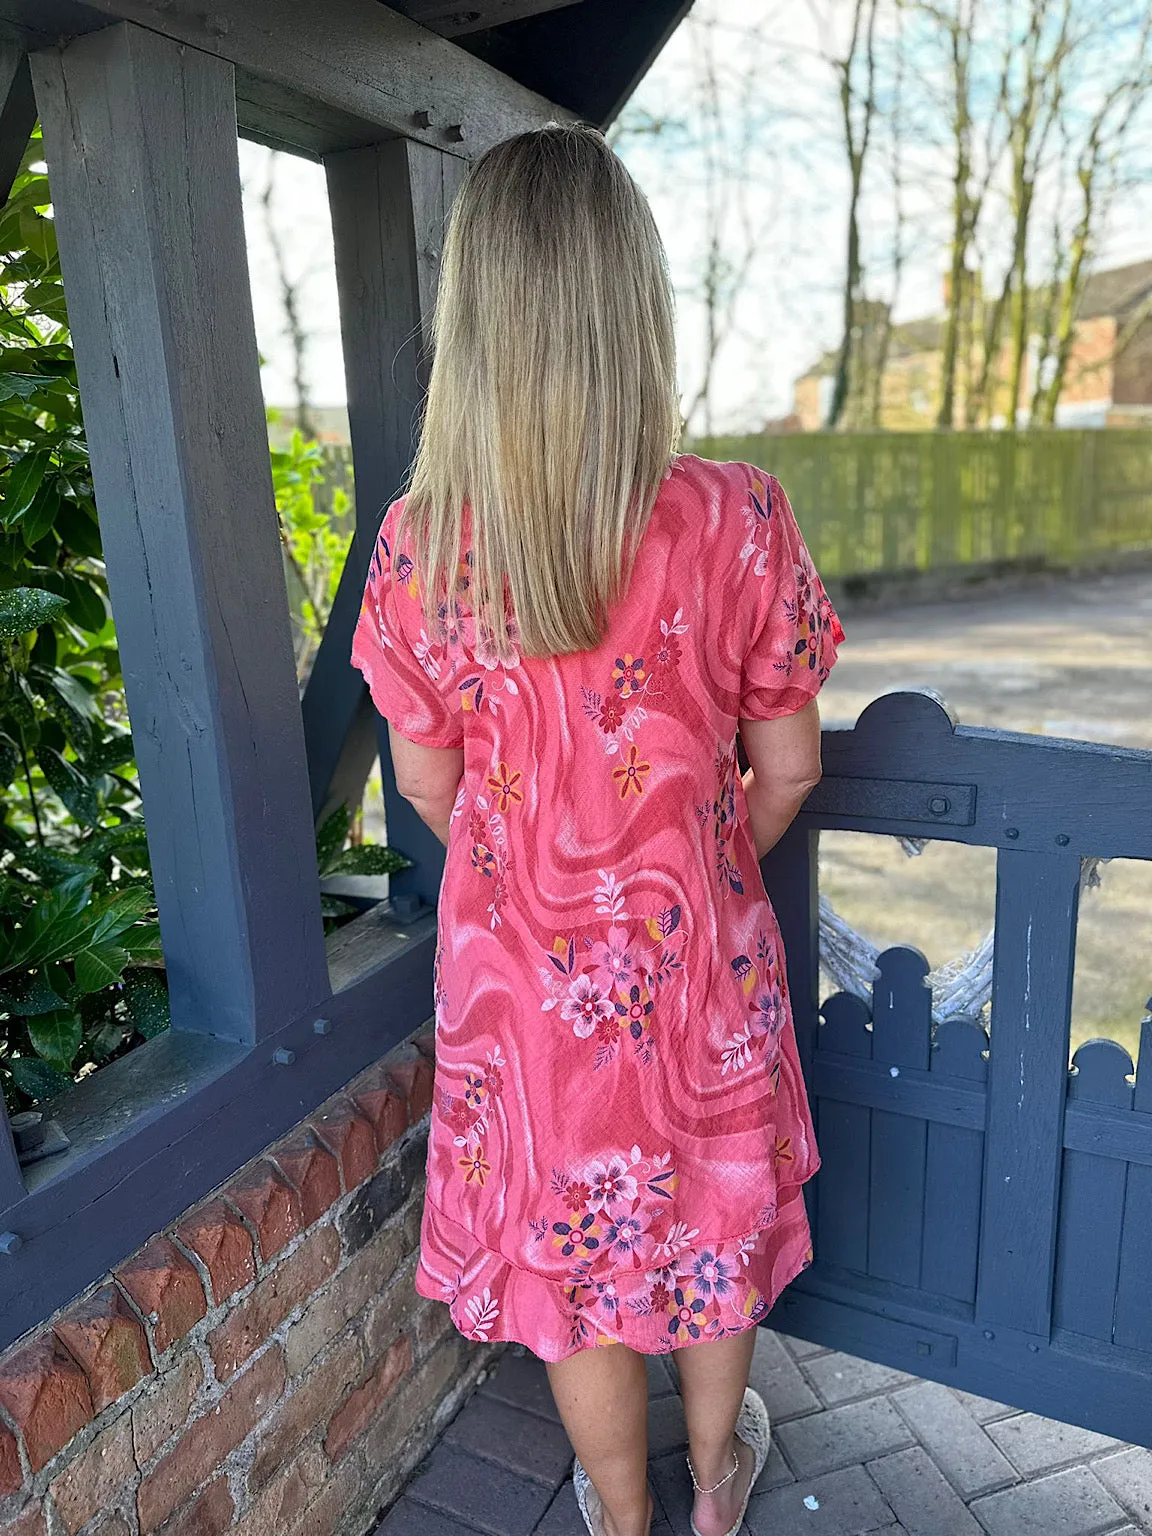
pixel 164 1408
pixel 218 1237
pixel 93 1479
pixel 165 1286
pixel 378 1097
pixel 328 1512
pixel 47 1396
pixel 105 1336
pixel 270 1203
pixel 209 1514
pixel 280 1292
pixel 362 1278
pixel 349 1135
pixel 209 1439
pixel 311 1170
pixel 315 1399
pixel 29 1522
pixel 413 1075
pixel 11 1472
pixel 115 1525
pixel 285 1498
pixel 425 1042
pixel 365 1402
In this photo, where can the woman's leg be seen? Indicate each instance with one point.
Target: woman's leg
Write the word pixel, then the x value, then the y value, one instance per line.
pixel 602 1397
pixel 712 1381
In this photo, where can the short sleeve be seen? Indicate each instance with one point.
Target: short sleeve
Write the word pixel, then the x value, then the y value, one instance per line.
pixel 400 665
pixel 793 630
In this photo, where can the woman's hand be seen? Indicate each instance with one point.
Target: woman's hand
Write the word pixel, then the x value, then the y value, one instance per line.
pixel 785 759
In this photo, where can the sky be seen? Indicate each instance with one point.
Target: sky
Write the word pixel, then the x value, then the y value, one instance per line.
pixel 776 141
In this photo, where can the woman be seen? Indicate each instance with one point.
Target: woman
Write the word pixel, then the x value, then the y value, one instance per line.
pixel 564 623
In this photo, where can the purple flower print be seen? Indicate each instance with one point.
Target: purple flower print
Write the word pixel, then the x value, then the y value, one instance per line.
pixel 712 1273
pixel 614 959
pixel 627 1237
pixel 766 1014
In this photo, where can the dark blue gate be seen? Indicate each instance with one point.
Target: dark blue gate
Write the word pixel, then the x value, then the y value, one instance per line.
pixel 983 1215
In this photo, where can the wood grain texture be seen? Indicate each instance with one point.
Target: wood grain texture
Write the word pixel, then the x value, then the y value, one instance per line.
pixel 319 77
pixel 17 113
pixel 954 1169
pixel 454 18
pixel 141 143
pixel 389 206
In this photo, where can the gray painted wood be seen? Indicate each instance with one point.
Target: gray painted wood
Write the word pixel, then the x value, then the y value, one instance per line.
pixel 844 1135
pixel 320 77
pixel 11 1178
pixel 17 113
pixel 389 206
pixel 152 247
pixel 954 1169
pixel 1037 896
pixel 451 19
pixel 1133 1319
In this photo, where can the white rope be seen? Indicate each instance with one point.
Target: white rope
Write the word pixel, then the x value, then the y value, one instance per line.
pixel 961 989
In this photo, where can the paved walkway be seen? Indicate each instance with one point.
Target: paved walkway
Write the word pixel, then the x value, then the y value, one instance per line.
pixel 858 1448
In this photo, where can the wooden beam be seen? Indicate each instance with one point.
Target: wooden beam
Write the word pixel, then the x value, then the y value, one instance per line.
pixel 389 203
pixel 318 78
pixel 17 113
pixel 140 137
pixel 454 18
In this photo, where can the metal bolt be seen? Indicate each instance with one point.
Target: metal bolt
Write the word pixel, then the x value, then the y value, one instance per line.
pixel 1063 839
pixel 939 805
pixel 11 1242
pixel 989 1335
pixel 406 905
pixel 1035 1348
pixel 283 1057
pixel 321 1026
pixel 1012 832
pixel 422 118
pixel 454 133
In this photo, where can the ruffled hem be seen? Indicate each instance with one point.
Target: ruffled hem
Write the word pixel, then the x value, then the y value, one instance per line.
pixel 715 1290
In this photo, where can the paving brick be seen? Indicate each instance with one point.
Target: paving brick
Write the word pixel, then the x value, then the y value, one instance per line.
pixel 376 1201
pixel 312 1172
pixel 776 1471
pixel 217 1236
pixel 264 1196
pixel 1071 1503
pixel 164 1408
pixel 46 1395
pixel 667 1429
pixel 365 1276
pixel 777 1378
pixel 1128 1477
pixel 520 1379
pixel 849 1504
pixel 413 1075
pixel 488 1496
pixel 799 1349
pixel 349 1136
pixel 840 1378
pixel 662 1378
pixel 275 1296
pixel 956 1443
pixel 29 1522
pixel 165 1286
pixel 279 1504
pixel 982 1409
pixel 209 1439
pixel 11 1472
pixel 563 1517
pixel 365 1401
pixel 381 1102
pixel 314 1401
pixel 105 1337
pixel 838 1437
pixel 669 1481
pixel 520 1441
pixel 93 1479
pixel 209 1514
pixel 1034 1444
pixel 923 1498
pixel 407 1518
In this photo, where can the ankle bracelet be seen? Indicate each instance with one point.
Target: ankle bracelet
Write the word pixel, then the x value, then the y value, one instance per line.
pixel 727 1478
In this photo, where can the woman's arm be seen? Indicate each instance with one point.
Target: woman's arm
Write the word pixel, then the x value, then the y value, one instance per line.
pixel 785 759
pixel 428 778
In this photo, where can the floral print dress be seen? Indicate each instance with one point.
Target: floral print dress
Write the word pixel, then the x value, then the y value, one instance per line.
pixel 620 1129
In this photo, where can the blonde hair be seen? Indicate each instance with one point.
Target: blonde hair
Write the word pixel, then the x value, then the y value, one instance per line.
pixel 552 412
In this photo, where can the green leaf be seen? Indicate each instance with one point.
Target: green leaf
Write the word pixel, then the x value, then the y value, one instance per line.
pixel 56 1037
pixel 86 603
pixel 112 753
pixel 331 837
pixel 9 760
pixel 21 484
pixel 33 993
pixel 369 859
pixel 19 386
pixel 146 1001
pixel 100 966
pixel 71 704
pixel 114 917
pixel 41 515
pixel 23 609
pixel 107 1040
pixel 53 928
pixel 143 941
pixel 36 1078
pixel 67 782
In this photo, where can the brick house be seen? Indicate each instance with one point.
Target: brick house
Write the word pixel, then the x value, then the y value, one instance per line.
pixel 1108 381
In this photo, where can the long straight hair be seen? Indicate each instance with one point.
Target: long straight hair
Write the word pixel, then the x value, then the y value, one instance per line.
pixel 552 413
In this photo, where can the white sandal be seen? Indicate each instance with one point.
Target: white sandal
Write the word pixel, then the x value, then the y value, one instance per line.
pixel 754 1428
pixel 582 1484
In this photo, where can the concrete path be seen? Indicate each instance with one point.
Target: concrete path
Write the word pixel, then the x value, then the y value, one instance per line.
pixel 858 1448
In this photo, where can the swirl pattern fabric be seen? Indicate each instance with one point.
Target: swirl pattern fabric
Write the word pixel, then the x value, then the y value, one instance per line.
pixel 620 1129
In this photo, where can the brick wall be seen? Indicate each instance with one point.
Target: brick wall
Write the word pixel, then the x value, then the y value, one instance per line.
pixel 265 1366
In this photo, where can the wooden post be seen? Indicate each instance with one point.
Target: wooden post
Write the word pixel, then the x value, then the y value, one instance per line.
pixel 140 134
pixel 17 114
pixel 1037 899
pixel 389 203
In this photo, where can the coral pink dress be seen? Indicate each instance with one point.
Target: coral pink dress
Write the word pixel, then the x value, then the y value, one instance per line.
pixel 620 1128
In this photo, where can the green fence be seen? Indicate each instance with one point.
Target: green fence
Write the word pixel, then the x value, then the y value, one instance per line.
pixel 915 501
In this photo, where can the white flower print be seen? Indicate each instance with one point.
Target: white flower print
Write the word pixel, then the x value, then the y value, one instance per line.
pixel 611 1184
pixel 482 1310
pixel 737 1052
pixel 610 895
pixel 679 1238
pixel 586 1004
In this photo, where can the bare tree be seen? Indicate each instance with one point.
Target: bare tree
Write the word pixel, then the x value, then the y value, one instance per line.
pixel 290 286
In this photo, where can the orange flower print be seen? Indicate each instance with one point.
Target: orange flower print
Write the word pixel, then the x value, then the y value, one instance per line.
pixel 503 784
pixel 783 1149
pixel 483 859
pixel 475 1165
pixel 630 774
pixel 628 675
